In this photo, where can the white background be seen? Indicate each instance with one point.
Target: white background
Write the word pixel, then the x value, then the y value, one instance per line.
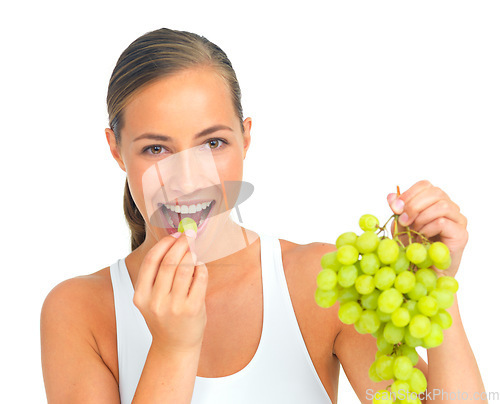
pixel 348 100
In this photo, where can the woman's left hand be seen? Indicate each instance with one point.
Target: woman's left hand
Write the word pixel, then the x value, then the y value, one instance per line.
pixel 428 210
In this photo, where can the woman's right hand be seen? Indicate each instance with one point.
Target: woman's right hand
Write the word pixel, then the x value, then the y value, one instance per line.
pixel 170 294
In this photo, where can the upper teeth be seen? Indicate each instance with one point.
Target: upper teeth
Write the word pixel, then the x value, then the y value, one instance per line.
pixel 188 209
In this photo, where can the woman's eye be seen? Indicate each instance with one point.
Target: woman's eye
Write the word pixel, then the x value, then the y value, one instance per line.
pixel 154 149
pixel 215 142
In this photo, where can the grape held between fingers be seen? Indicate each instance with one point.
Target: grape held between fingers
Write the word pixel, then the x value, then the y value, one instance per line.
pixel 390 290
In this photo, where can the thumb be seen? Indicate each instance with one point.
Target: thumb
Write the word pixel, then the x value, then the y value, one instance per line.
pixel 396 204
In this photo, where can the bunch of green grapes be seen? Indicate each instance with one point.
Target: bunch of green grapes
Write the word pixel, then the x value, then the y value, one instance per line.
pixel 388 289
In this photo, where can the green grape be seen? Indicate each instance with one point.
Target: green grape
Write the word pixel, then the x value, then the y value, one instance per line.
pixel 367 242
pixel 348 294
pixel 410 352
pixel 368 223
pixel 347 255
pixel 402 263
pixel 382 397
pixel 372 373
pixel 435 337
pixel 348 238
pixel 420 326
pixel 364 284
pixel 412 341
pixel 444 298
pixel 443 265
pixel 417 380
pixel 384 346
pixel 187 223
pixel 447 283
pixel 405 281
pixel 350 312
pixel 417 292
pixel 383 366
pixel 412 398
pixel 416 253
pixel 400 317
pixel 369 263
pixel 384 317
pixel 411 306
pixel 379 332
pixel 393 334
pixel 439 252
pixel 388 251
pixel 427 262
pixel 427 277
pixel 443 318
pixel 400 389
pixel 329 261
pixel 389 300
pixel 368 322
pixel 427 305
pixel 326 298
pixel 384 278
pixel 370 300
pixel 347 275
pixel 326 279
pixel 402 367
pixel 358 268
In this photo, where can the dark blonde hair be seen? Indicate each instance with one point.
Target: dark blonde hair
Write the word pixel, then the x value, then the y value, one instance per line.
pixel 152 56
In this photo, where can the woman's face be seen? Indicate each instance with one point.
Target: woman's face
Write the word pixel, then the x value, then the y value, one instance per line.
pixel 179 108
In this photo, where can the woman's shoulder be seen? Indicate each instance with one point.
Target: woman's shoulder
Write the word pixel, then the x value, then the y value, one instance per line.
pixel 306 257
pixel 81 290
pixel 301 264
pixel 84 302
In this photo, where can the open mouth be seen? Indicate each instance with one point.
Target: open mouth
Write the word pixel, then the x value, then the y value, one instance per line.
pixel 175 213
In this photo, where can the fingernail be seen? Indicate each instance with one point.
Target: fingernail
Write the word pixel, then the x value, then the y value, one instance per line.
pixel 398 205
pixel 403 219
pixel 190 233
pixel 391 197
pixel 176 235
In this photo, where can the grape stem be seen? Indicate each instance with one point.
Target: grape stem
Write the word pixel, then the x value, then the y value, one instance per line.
pixel 409 231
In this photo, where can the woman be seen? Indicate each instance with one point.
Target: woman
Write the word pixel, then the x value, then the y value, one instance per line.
pixel 221 315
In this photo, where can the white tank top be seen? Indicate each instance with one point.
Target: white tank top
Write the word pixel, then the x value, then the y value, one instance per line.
pixel 281 370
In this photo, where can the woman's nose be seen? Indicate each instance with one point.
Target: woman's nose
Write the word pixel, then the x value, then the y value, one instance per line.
pixel 184 172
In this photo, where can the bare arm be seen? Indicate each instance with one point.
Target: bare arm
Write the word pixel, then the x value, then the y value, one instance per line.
pixel 73 370
pixel 356 352
pixel 452 365
pixel 170 294
pixel 168 376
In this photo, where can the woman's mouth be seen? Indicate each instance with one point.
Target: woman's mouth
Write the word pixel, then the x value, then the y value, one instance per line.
pixel 175 213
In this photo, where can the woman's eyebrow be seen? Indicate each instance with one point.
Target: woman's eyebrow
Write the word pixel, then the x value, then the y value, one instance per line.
pixel 165 138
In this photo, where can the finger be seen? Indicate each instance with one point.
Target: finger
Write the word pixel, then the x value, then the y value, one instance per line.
pixel 441 208
pixel 445 228
pixel 395 203
pixel 183 277
pixel 414 190
pixel 151 263
pixel 421 201
pixel 166 272
pixel 198 289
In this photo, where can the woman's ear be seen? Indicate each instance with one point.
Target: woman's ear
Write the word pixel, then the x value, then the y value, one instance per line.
pixel 113 147
pixel 247 125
